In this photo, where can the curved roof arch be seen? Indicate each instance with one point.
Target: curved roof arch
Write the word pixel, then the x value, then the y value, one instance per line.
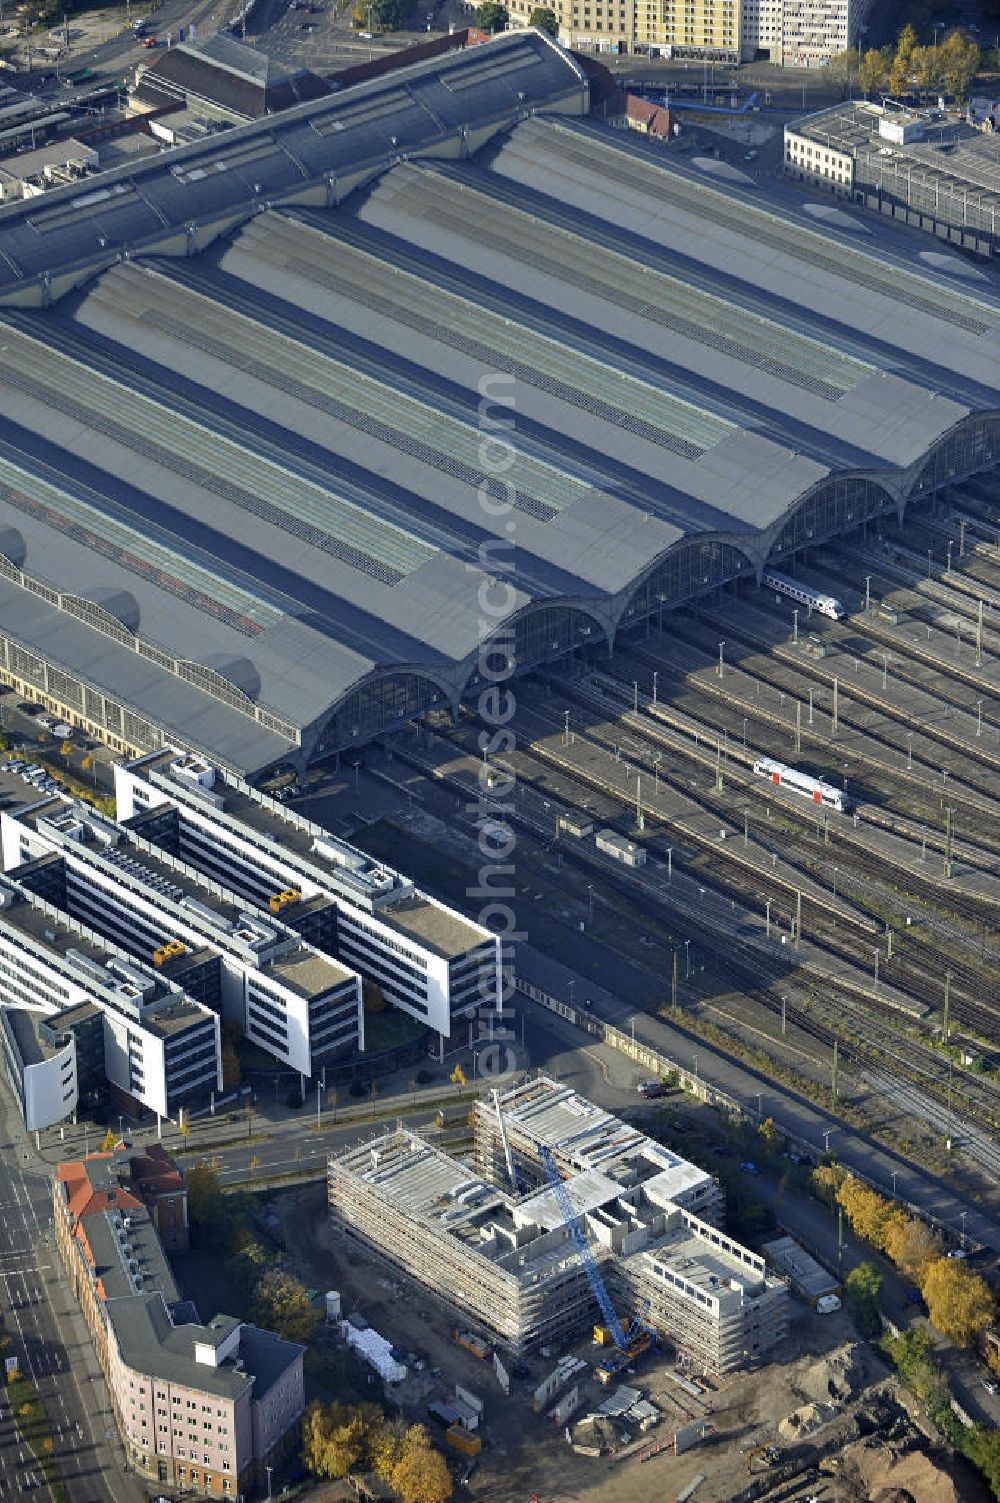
pixel 278 447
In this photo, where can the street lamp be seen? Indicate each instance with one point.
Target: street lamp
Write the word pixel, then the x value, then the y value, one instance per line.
pixel 590 894
pixel 721 647
pixel 909 751
pixel 656 675
pixel 572 984
pixel 269 1470
pixel 687 959
pixel 894 1174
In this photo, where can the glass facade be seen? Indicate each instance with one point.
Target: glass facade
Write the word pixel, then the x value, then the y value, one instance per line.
pixel 834 507
pixel 972 446
pixel 688 570
pixel 377 706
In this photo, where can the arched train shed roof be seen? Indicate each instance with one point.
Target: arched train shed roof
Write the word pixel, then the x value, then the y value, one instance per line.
pixel 528 389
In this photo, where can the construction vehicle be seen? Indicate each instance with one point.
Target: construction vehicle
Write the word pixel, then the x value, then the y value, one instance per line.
pixel 768 1453
pixel 474 1344
pixel 460 1440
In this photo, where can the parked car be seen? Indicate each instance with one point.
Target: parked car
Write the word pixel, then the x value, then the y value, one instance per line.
pixel 958 1252
pixel 990 1384
pixel 46 722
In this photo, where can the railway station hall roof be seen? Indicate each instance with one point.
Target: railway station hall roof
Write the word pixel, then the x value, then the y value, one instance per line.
pixel 286 413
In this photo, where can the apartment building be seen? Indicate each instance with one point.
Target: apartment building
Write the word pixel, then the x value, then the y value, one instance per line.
pixel 792 33
pixel 707 29
pixel 203 1407
pixel 425 958
pixel 498 1243
pixel 159 1047
pixel 289 998
pixel 155 1178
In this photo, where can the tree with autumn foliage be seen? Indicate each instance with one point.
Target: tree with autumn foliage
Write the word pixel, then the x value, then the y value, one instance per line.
pixel 334 1437
pixel 959 1302
pixel 281 1303
pixel 421 1474
pixel 912 1246
pixel 873 74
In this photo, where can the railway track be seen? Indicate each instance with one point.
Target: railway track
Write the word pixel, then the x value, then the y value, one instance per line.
pixel 971 1000
pixel 918 778
pixel 743 968
pixel 696 740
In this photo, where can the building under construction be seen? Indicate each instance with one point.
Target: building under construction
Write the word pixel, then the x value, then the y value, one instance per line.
pixel 517 1254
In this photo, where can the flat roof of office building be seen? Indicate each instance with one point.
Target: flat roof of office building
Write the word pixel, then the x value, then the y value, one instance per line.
pixel 414 914
pixel 307 972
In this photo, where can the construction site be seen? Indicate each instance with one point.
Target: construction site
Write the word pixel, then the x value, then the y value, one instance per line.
pixel 584 1328
pixel 568 1217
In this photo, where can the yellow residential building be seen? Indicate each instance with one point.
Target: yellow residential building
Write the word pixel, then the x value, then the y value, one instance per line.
pixel 677 28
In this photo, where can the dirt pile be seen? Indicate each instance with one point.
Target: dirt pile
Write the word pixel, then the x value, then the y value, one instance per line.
pixel 888 1476
pixel 806 1421
pixel 838 1377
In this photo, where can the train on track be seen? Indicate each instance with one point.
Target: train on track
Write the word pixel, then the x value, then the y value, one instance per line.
pixel 823 605
pixel 802 783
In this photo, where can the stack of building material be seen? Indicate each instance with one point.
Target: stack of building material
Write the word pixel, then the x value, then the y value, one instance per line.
pixel 375 1350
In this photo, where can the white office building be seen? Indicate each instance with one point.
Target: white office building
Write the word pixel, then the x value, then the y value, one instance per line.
pixel 425 958
pixel 158 1047
pixel 287 997
pixel 800 33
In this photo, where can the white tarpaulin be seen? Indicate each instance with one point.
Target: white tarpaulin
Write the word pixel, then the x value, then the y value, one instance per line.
pixel 376 1351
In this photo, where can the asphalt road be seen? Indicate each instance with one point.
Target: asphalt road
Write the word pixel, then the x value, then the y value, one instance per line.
pixel 50 1340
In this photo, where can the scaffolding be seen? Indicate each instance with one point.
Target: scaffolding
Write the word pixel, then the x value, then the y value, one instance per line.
pixel 516 1264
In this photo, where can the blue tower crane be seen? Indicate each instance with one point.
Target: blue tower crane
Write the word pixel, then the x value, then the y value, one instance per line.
pixel 623 1339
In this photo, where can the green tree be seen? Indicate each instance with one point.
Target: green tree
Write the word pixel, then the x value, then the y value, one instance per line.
pixel 420 1475
pixel 491 16
pixel 863 1286
pixel 281 1303
pixel 983 1449
pixel 203 1191
pixel 232 1067
pixel 246 1267
pixel 958 61
pixel 545 20
pixel 959 1302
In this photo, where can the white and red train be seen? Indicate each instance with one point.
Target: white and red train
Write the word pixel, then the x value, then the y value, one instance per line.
pixel 815 600
pixel 801 783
